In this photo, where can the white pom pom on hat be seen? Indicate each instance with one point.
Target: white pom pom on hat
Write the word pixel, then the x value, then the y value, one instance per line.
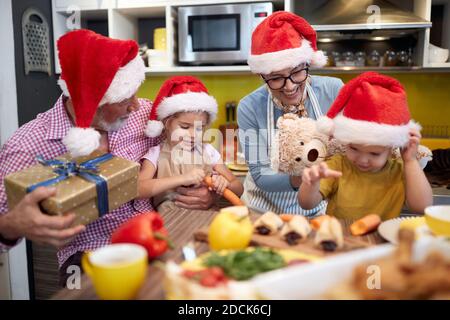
pixel 81 141
pixel 154 128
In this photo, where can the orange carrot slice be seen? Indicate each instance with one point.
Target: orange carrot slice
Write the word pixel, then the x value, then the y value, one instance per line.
pixel 315 223
pixel 365 225
pixel 227 194
pixel 286 217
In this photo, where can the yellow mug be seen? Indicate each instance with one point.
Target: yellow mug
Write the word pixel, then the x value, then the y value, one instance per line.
pixel 117 270
pixel 438 219
pixel 159 39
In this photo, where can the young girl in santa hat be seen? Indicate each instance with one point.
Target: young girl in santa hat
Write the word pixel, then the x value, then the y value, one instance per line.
pixel 371 117
pixel 181 112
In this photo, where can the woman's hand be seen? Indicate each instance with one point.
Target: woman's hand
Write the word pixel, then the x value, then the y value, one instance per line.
pixel 313 175
pixel 409 153
pixel 219 183
pixel 194 177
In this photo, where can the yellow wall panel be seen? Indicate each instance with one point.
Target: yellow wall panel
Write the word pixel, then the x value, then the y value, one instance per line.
pixel 428 95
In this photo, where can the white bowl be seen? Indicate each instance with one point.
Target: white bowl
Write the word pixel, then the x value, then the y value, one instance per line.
pixel 315 280
pixel 437 55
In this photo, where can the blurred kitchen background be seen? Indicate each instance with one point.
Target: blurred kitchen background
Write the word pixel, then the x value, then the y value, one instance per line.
pixel 406 39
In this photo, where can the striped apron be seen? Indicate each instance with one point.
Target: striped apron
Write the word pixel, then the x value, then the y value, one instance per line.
pixel 285 201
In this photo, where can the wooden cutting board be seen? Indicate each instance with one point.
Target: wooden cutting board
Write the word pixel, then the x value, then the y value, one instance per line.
pixel 307 246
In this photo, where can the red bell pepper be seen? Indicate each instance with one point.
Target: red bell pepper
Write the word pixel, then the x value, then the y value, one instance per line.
pixel 146 230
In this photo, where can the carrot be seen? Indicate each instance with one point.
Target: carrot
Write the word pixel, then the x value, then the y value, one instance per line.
pixel 286 217
pixel 315 223
pixel 365 225
pixel 227 193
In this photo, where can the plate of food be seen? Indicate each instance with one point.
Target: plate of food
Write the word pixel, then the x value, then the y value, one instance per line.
pixel 226 274
pixel 389 229
pixel 321 236
pixel 237 167
pixel 415 269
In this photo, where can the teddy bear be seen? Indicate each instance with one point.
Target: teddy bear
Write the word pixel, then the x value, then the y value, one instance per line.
pixel 298 145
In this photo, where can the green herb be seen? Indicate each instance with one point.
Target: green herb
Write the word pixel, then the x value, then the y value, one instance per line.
pixel 243 265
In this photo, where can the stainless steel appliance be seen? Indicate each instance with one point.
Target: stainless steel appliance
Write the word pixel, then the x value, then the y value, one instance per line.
pixel 364 14
pixel 218 34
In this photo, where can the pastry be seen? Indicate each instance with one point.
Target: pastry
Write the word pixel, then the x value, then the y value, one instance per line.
pixel 297 229
pixel 330 235
pixel 269 223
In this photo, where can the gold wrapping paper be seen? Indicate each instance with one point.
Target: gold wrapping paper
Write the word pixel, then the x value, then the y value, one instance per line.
pixel 75 194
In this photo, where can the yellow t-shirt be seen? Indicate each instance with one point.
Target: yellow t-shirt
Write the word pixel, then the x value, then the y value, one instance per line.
pixel 358 193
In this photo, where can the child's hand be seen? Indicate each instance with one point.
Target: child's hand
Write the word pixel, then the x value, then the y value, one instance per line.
pixel 220 183
pixel 409 152
pixel 319 171
pixel 195 176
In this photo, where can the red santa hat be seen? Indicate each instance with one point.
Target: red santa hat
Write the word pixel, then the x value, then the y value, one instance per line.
pixel 179 94
pixel 95 70
pixel 371 109
pixel 284 40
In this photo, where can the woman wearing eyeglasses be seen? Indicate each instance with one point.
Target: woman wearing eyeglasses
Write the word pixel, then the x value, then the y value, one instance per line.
pixel 283 48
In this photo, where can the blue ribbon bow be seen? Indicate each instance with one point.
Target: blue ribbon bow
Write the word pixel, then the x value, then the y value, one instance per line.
pixel 87 170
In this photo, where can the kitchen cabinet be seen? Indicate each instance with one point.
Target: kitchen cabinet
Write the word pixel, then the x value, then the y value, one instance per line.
pixel 121 20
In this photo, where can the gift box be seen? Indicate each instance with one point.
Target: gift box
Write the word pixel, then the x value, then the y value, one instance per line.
pixel 88 186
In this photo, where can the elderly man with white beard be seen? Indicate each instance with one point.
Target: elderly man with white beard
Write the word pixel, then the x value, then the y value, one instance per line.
pixel 98 110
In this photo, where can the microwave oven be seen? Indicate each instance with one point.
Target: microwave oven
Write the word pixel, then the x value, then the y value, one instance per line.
pixel 218 34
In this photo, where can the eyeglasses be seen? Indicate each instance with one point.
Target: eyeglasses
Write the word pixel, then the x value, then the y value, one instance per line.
pixel 296 77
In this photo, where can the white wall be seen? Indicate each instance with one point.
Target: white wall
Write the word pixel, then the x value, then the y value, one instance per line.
pixel 14 273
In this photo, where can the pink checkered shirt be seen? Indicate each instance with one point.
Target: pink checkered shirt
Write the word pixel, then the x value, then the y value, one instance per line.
pixel 43 136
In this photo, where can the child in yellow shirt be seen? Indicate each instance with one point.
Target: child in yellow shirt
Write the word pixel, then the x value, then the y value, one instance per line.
pixel 371 117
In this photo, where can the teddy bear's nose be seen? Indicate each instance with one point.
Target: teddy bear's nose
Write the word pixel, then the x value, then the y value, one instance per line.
pixel 298 159
pixel 313 154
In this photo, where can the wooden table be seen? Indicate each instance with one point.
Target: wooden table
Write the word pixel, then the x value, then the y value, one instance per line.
pixel 181 225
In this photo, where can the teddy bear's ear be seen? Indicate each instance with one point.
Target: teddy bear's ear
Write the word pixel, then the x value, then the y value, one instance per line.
pixel 280 122
pixel 285 120
pixel 320 136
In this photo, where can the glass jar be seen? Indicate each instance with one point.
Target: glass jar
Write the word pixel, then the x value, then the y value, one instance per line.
pixel 390 58
pixel 360 59
pixel 402 58
pixel 348 59
pixel 373 60
pixel 337 60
